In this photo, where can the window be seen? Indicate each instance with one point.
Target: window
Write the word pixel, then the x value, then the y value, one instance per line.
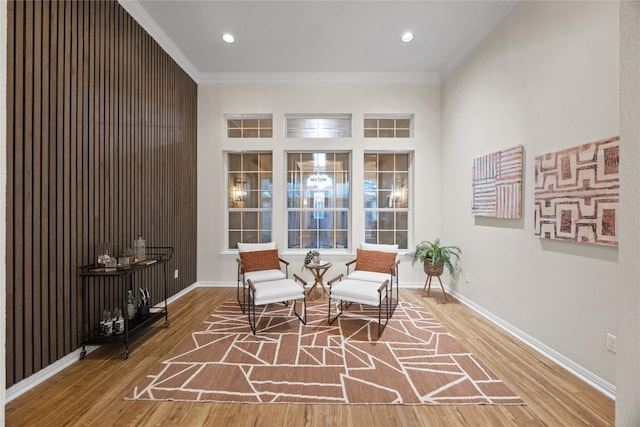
pixel 318 200
pixel 250 197
pixel 386 198
pixel 257 126
pixel 333 126
pixel 389 127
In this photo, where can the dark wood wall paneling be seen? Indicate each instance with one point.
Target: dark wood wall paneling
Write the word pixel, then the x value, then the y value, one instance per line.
pixel 101 147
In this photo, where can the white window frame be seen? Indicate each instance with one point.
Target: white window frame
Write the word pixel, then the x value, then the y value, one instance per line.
pixel 317 126
pixel 396 131
pixel 321 211
pixel 262 132
pixel 398 200
pixel 237 190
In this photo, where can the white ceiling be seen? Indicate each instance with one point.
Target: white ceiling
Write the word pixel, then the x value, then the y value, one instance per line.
pixel 317 38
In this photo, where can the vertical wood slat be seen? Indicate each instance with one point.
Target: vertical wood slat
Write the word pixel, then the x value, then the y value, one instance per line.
pixel 59 189
pixel 74 169
pixel 37 188
pixel 52 131
pixel 45 309
pixel 101 146
pixel 10 196
pixel 27 241
pixel 16 203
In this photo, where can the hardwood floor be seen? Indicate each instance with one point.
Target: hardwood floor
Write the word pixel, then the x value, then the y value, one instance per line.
pixel 91 391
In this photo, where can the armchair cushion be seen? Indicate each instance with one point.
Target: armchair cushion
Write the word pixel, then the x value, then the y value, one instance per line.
pixel 368 276
pixel 378 247
pixel 377 261
pixel 251 247
pixel 277 291
pixel 357 291
pixel 265 275
pixel 260 260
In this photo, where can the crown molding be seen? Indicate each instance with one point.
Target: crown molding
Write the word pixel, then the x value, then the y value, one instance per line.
pixel 318 77
pixel 140 15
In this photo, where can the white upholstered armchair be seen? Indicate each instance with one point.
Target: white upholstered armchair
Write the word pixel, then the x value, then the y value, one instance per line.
pixel 371 282
pixel 261 281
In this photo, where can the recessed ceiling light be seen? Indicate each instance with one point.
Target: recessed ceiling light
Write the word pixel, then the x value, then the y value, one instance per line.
pixel 407 37
pixel 228 38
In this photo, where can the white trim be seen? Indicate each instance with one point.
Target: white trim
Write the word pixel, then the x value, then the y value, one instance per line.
pixel 318 77
pixel 596 382
pixel 215 284
pixel 140 15
pixel 42 375
pixel 182 293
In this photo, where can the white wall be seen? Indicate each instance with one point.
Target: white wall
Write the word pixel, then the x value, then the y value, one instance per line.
pixel 546 77
pixel 628 363
pixel 217 265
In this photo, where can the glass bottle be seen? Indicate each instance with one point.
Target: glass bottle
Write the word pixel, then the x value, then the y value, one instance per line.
pixel 131 306
pixel 106 325
pixel 140 248
pixel 118 321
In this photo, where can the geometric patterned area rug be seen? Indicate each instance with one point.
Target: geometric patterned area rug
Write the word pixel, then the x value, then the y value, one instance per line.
pixel 416 361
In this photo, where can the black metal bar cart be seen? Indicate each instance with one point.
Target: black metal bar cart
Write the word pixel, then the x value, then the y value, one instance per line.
pixel 95 276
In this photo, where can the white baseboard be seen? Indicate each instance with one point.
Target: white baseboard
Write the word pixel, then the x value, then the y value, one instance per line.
pixel 216 284
pixel 590 378
pixel 44 374
pixel 577 370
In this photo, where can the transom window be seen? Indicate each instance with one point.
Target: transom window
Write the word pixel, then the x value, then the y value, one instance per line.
pixel 249 198
pixel 318 200
pixel 319 126
pixel 258 126
pixel 386 198
pixel 387 127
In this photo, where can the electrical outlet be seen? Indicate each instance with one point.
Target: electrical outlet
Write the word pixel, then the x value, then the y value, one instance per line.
pixel 467 278
pixel 175 274
pixel 611 343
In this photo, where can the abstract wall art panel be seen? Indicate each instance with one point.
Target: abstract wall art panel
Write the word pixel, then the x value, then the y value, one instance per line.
pixel 577 193
pixel 497 184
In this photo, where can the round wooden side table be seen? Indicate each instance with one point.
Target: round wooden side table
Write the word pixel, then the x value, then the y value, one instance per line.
pixel 318 270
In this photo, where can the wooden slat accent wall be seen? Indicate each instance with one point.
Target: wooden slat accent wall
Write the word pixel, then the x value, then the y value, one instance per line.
pixel 101 147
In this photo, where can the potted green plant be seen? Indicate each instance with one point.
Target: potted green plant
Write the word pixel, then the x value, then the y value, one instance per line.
pixel 127 255
pixel 143 303
pixel 435 256
pixel 311 256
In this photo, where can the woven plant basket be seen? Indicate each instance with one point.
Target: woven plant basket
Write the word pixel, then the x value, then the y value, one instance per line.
pixel 433 269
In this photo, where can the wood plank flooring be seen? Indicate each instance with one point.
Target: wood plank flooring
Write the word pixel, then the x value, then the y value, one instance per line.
pixel 91 391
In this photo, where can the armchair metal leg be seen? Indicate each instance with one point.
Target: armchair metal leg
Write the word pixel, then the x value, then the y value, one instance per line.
pixel 382 327
pixel 383 294
pixel 241 284
pixel 304 303
pixel 241 302
pixel 329 319
pixel 251 312
pixel 393 304
pixel 252 308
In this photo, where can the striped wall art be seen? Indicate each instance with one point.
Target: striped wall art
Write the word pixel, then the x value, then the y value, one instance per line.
pixel 497 184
